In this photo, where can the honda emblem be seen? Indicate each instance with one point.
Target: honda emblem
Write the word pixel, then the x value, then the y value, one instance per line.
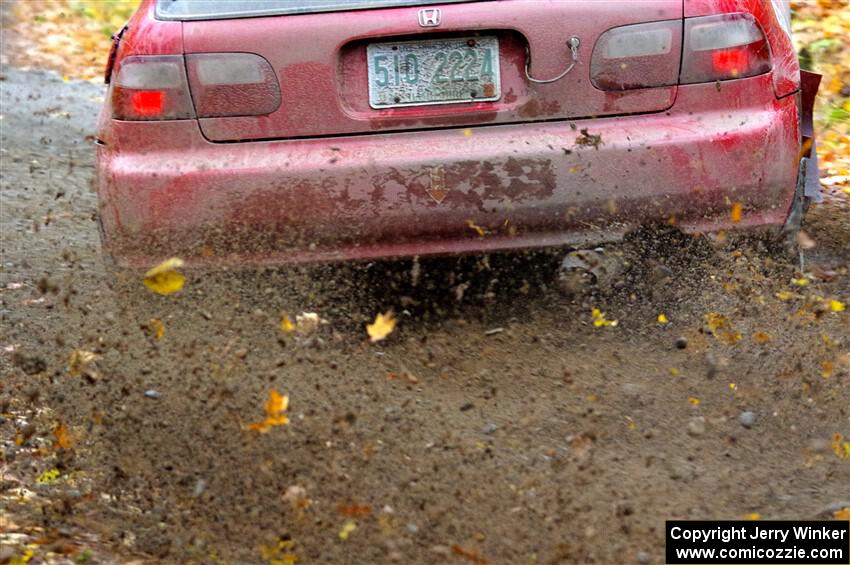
pixel 429 17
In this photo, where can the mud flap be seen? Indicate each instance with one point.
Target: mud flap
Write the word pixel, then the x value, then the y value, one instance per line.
pixel 811 186
pixel 798 206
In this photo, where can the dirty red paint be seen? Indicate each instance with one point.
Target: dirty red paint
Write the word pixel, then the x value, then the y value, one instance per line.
pixel 328 178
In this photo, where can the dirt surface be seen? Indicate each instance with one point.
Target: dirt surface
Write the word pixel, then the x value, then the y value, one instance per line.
pixel 496 424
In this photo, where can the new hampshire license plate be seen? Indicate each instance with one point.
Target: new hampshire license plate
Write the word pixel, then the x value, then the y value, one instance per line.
pixel 434 71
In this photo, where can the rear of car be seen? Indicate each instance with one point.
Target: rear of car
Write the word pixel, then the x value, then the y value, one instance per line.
pixel 244 132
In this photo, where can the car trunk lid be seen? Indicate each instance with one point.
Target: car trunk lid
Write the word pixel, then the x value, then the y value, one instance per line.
pixel 338 73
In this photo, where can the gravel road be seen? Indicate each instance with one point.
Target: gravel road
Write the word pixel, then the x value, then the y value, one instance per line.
pixel 496 425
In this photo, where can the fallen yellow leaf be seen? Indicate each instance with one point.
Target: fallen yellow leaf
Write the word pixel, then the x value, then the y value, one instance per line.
pixel 280 553
pixel 761 337
pixel 840 447
pixel 348 527
pixel 842 514
pixel 729 338
pixel 722 328
pixel 837 306
pixel 383 326
pixel 64 438
pixel 275 407
pixel 164 279
pixel 48 477
pixel 693 400
pixel 800 282
pixel 286 324
pixel 599 319
pixel 662 319
pixel 77 361
pixel 752 516
pixel 157 327
pixel 716 321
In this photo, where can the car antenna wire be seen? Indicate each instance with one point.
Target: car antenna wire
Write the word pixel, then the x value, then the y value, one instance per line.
pixel 573 44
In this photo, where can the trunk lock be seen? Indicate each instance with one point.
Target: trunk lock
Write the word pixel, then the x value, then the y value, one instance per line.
pixel 573 43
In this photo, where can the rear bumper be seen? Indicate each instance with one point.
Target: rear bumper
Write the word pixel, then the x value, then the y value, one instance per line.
pixel 164 190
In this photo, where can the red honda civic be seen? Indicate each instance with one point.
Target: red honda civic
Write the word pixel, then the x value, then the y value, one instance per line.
pixel 248 132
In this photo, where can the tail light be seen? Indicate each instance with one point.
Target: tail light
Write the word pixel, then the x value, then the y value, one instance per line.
pixel 637 56
pixel 719 47
pixel 232 84
pixel 151 88
pixel 723 47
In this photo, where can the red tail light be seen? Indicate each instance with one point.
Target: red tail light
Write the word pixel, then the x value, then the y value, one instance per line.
pixel 719 47
pixel 232 84
pixel 151 88
pixel 723 47
pixel 148 102
pixel 729 61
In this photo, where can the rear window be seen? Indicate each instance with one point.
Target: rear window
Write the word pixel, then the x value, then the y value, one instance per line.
pixel 219 9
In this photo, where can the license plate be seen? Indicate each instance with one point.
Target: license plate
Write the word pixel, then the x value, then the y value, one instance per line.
pixel 434 71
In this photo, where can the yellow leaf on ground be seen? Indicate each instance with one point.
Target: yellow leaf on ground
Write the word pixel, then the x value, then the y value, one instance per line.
pixel 837 306
pixel 729 338
pixel 761 337
pixel 800 282
pixel 280 553
pixel 694 400
pixel 164 278
pixel 157 327
pixel 286 324
pixel 48 477
pixel 64 438
pixel 722 328
pixel 383 326
pixel 716 321
pixel 24 558
pixel 662 319
pixel 752 516
pixel 77 361
pixel 275 407
pixel 348 527
pixel 842 514
pixel 840 447
pixel 599 319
